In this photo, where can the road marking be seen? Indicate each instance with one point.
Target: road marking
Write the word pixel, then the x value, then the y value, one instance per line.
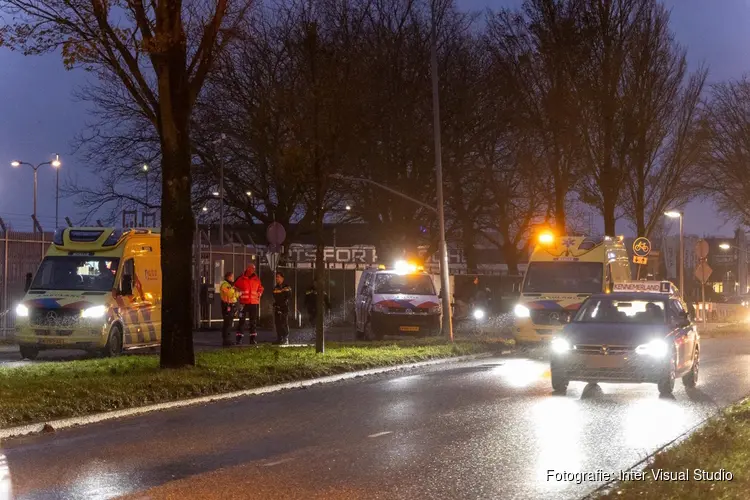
pixel 504 399
pixel 278 462
pixel 380 434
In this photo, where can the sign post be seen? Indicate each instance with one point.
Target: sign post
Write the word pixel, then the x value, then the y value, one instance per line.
pixel 641 251
pixel 702 273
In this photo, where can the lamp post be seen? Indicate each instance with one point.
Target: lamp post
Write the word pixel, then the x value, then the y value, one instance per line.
pixel 444 271
pixel 56 164
pixel 727 246
pixel 444 279
pixel 679 215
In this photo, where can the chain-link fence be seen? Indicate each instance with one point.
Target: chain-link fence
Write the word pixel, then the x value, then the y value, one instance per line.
pixel 20 254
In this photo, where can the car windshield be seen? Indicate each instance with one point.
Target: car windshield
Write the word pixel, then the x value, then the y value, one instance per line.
pixel 412 284
pixel 607 310
pixel 563 277
pixel 76 273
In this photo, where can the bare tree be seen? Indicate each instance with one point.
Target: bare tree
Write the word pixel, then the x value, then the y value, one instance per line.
pixel 532 53
pixel 664 123
pixel 726 176
pixel 160 54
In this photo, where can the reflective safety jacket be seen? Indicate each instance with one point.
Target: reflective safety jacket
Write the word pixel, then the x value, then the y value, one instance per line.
pixel 250 289
pixel 228 293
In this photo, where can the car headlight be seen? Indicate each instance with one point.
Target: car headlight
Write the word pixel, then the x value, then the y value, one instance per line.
pixel 22 311
pixel 478 314
pixel 559 345
pixel 379 308
pixel 94 312
pixel 521 311
pixel 656 348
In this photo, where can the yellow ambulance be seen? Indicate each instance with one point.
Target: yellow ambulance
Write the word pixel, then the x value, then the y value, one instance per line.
pixel 562 272
pixel 97 289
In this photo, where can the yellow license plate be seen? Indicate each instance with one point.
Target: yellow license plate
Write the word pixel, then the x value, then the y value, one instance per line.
pixel 409 328
pixel 53 341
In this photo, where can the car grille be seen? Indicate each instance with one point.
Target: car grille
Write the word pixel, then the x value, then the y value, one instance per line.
pixel 550 317
pixel 57 318
pixel 614 350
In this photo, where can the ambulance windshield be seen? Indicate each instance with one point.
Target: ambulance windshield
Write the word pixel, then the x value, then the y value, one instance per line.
pixel 76 273
pixel 563 277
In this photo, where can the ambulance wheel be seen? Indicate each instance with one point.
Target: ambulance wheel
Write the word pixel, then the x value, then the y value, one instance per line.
pixel 29 352
pixel 114 343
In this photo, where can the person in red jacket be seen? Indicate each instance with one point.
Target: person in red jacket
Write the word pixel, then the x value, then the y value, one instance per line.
pixel 250 291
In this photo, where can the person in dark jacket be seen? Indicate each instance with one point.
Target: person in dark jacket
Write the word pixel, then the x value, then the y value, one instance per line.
pixel 282 294
pixel 311 303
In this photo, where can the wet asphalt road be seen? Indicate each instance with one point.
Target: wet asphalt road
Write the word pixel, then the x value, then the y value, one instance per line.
pixel 483 429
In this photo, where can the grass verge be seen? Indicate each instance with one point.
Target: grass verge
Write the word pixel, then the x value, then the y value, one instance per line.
pixel 48 391
pixel 723 444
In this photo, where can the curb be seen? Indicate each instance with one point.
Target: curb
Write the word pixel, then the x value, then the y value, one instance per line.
pixel 101 417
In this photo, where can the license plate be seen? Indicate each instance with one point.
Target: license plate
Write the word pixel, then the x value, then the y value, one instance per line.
pixel 600 361
pixel 409 328
pixel 53 341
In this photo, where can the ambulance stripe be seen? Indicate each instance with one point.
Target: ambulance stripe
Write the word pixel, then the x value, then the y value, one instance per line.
pixel 146 313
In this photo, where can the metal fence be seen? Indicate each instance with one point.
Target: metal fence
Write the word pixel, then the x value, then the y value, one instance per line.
pixel 20 254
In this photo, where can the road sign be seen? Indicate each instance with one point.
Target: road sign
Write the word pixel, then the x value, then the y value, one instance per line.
pixel 275 233
pixel 640 260
pixel 273 260
pixel 641 247
pixel 703 271
pixel 701 249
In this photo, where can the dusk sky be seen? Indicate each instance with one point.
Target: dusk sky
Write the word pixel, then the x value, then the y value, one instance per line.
pixel 39 117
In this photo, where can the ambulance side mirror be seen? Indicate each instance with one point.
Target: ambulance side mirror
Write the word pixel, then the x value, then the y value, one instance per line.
pixel 127 285
pixel 27 284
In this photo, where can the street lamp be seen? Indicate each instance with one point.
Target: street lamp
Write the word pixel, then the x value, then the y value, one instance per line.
pixel 56 164
pixel 725 246
pixel 444 271
pixel 348 208
pixel 145 173
pixel 672 214
pixel 444 279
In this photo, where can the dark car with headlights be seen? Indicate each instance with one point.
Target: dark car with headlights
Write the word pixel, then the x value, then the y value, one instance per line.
pixel 632 337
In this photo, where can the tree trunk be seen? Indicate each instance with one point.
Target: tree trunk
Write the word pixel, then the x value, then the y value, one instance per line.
pixel 177 233
pixel 608 212
pixel 560 194
pixel 320 283
pixel 510 253
pixel 469 240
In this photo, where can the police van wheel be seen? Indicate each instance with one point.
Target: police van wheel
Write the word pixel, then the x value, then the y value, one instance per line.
pixel 29 352
pixel 114 343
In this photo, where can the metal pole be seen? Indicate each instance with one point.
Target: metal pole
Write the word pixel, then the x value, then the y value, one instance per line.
pixel 682 260
pixel 35 185
pixel 703 303
pixel 57 195
pixel 444 278
pixel 5 281
pixel 221 204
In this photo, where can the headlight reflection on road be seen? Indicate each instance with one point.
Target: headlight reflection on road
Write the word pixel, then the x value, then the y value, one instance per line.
pixel 649 423
pixel 557 425
pixel 98 482
pixel 521 372
pixel 6 489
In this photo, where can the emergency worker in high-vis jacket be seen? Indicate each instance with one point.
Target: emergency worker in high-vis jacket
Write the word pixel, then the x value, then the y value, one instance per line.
pixel 250 291
pixel 229 296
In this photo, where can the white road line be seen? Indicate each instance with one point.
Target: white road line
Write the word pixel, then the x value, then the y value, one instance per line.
pixel 380 434
pixel 504 399
pixel 278 462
